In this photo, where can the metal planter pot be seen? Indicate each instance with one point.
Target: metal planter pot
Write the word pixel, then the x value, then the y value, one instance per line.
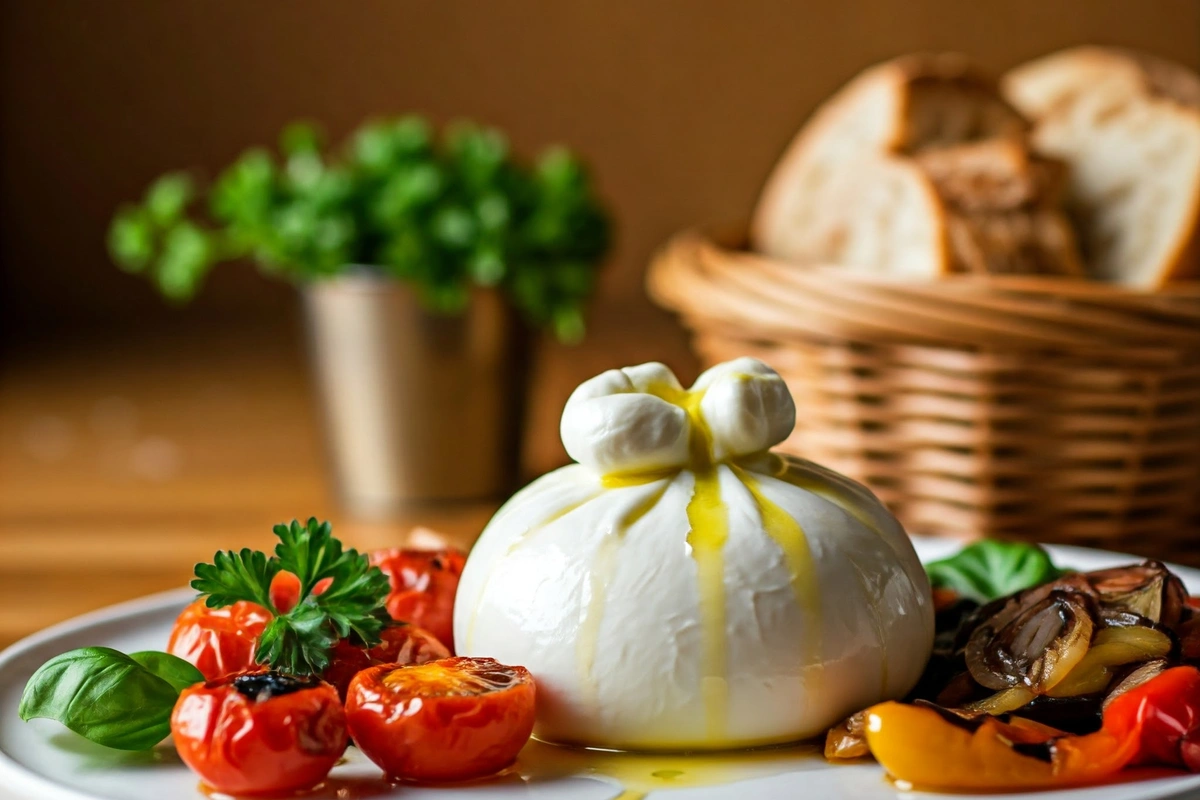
pixel 418 407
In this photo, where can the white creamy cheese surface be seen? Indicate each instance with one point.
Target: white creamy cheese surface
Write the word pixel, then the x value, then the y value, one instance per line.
pixel 683 588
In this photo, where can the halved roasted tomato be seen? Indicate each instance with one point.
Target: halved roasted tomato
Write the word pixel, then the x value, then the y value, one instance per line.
pixel 260 733
pixel 400 644
pixel 424 583
pixel 448 720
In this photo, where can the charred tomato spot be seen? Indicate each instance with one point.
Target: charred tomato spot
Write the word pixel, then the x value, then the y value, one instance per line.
pixel 262 686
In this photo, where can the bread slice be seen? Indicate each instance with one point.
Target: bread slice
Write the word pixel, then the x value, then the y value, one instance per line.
pixel 993 174
pixel 1039 86
pixel 883 214
pixel 1128 127
pixel 900 106
pixel 916 168
pixel 1036 241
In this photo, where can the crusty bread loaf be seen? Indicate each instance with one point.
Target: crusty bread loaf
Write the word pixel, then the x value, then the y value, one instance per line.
pixel 1128 126
pixel 916 168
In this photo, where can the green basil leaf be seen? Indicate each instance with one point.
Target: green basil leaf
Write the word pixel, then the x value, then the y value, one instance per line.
pixel 989 569
pixel 103 695
pixel 172 669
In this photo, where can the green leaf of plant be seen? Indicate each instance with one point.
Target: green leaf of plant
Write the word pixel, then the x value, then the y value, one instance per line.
pixel 300 137
pixel 167 198
pixel 186 258
pixel 243 193
pixel 104 696
pixel 172 669
pixel 234 576
pixel 131 239
pixel 298 642
pixel 989 569
pixel 568 325
pixel 308 551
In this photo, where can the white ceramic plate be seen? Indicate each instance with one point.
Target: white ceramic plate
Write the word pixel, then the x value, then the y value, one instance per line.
pixel 41 760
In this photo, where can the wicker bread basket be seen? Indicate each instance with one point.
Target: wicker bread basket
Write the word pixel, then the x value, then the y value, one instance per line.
pixel 1022 407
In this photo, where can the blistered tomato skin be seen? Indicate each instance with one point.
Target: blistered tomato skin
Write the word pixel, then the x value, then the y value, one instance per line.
pixel 449 720
pixel 218 641
pixel 424 583
pixel 402 644
pixel 273 735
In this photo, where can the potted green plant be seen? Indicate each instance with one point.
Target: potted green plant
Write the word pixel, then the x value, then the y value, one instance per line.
pixel 420 259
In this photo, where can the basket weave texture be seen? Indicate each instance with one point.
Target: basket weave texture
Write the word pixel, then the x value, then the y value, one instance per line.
pixel 1031 408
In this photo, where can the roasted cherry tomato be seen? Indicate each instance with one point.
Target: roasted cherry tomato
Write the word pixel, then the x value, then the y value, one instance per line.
pixel 423 586
pixel 401 644
pixel 222 641
pixel 260 733
pixel 219 641
pixel 448 720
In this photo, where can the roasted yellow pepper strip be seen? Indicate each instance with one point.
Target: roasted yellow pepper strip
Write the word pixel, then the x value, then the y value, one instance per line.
pixel 933 749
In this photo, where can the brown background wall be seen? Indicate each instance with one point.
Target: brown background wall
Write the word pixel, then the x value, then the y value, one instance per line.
pixel 681 105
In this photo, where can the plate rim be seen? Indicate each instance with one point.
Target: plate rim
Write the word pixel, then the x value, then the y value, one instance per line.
pixel 14 774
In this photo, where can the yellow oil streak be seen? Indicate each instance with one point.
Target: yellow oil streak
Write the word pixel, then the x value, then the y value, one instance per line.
pixel 709 522
pixel 605 564
pixel 623 480
pixel 849 504
pixel 831 492
pixel 562 512
pixel 639 774
pixel 792 541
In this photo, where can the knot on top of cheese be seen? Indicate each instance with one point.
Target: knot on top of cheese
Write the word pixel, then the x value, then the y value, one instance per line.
pixel 641 419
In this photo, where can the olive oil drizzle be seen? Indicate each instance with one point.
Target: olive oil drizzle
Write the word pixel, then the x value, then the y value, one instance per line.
pixel 845 499
pixel 709 521
pixel 793 542
pixel 642 774
pixel 847 503
pixel 598 580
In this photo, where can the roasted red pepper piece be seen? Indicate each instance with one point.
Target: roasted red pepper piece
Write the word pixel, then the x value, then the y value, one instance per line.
pixel 1164 715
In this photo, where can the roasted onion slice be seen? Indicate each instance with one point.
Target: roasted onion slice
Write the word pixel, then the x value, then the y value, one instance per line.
pixel 1112 648
pixel 1035 648
pixel 1002 702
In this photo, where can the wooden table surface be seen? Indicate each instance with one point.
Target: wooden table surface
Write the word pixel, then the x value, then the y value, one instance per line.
pixel 123 463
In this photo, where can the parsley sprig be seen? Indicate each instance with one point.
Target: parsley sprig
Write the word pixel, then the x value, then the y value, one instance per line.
pixel 299 641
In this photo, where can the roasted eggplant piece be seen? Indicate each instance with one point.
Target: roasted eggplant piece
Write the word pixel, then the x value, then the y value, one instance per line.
pixel 1079 714
pixel 1147 589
